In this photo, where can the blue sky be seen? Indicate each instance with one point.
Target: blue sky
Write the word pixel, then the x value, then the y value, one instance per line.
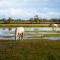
pixel 26 9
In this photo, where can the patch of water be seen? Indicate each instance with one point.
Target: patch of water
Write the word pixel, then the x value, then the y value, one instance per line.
pixel 53 38
pixel 29 35
pixel 40 28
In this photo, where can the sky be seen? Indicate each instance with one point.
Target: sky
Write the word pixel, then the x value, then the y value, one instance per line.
pixel 25 9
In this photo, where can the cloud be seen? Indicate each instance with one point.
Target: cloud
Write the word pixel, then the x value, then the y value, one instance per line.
pixel 27 13
pixel 22 3
pixel 29 8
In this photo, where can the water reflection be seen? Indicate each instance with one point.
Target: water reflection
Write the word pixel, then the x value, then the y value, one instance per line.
pixel 3 28
pixel 5 32
pixel 9 29
pixel 40 28
pixel 54 38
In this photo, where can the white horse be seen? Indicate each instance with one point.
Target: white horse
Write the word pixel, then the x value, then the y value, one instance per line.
pixel 54 26
pixel 19 33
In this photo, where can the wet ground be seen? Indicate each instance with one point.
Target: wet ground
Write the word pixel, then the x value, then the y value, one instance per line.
pixel 9 34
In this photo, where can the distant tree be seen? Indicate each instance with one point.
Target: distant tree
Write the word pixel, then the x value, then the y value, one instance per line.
pixel 36 19
pixel 59 20
pixel 31 20
pixel 4 21
pixel 9 19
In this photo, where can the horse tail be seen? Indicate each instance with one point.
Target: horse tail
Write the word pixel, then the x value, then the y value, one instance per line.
pixel 15 33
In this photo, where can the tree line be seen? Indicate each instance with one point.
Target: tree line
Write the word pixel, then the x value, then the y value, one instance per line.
pixel 34 20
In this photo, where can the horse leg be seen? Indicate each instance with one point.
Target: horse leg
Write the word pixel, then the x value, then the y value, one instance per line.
pixel 19 37
pixel 53 28
pixel 22 36
pixel 15 37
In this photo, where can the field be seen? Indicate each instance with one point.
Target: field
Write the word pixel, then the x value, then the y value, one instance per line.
pixel 24 25
pixel 30 50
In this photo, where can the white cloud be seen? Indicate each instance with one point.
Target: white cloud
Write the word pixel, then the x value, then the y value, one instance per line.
pixel 27 13
pixel 10 3
pixel 22 3
pixel 27 8
pixel 54 13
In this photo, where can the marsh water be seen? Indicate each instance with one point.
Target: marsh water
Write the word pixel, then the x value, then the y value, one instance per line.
pixel 30 33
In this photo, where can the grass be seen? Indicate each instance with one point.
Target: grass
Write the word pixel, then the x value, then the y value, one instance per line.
pixel 56 35
pixel 24 25
pixel 30 50
pixel 43 31
pixel 6 36
pixel 46 35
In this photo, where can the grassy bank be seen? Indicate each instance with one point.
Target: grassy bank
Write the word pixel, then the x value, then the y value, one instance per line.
pixel 30 50
pixel 24 25
pixel 46 35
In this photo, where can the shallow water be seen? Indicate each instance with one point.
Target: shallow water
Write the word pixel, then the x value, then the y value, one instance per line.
pixel 5 32
pixel 40 28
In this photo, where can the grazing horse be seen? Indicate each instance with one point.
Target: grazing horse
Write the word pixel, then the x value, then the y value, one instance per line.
pixel 19 33
pixel 54 26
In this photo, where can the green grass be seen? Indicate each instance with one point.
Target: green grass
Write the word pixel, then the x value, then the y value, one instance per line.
pixel 58 31
pixel 56 35
pixel 46 35
pixel 30 50
pixel 24 25
pixel 6 36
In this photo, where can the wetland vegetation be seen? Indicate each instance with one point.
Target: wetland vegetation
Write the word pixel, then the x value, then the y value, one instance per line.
pixel 30 50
